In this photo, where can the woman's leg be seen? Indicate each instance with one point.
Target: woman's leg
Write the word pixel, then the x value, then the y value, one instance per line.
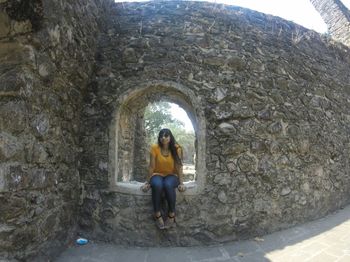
pixel 170 183
pixel 157 188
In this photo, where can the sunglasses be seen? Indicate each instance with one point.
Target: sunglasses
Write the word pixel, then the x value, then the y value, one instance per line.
pixel 164 135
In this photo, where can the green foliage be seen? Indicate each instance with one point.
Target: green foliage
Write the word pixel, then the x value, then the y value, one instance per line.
pixel 158 116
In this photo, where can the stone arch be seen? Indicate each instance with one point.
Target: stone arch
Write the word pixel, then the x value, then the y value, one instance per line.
pixel 125 131
pixel 337 17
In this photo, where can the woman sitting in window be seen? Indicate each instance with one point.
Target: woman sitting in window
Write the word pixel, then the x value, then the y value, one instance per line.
pixel 165 174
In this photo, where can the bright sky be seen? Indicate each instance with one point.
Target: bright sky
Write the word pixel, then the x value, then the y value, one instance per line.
pixel 181 115
pixel 299 11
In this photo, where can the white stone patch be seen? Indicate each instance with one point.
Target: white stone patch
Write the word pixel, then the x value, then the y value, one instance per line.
pixel 318 171
pixel 103 165
pixel 211 87
pixel 55 34
pixel 31 53
pixel 306 187
pixel 285 191
pixel 70 34
pixel 17 178
pixel 222 197
pixel 190 77
pixel 6 228
pixel 302 201
pixel 227 128
pixel 43 70
pixel 260 51
pixel 220 94
pixel 41 124
pixel 237 85
pixel 220 114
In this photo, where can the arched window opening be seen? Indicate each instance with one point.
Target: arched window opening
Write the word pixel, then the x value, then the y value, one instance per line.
pixel 131 136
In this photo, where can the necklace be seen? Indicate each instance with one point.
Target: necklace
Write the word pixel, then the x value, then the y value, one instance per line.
pixel 164 152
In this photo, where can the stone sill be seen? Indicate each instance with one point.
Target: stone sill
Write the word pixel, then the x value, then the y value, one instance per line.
pixel 133 188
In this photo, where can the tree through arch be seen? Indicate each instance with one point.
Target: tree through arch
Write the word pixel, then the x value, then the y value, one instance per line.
pixel 160 115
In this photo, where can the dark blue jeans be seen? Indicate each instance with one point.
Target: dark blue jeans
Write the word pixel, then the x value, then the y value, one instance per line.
pixel 167 184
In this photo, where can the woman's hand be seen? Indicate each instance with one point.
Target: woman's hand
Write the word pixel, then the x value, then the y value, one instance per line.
pixel 144 188
pixel 181 187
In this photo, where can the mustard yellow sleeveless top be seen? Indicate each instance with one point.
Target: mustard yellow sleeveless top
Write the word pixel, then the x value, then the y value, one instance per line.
pixel 164 165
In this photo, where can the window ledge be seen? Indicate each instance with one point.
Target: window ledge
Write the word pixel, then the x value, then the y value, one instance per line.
pixel 133 188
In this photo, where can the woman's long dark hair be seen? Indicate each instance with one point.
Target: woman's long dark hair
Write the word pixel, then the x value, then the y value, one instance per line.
pixel 172 147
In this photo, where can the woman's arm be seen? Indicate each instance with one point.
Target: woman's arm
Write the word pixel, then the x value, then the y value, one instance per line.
pixel 181 187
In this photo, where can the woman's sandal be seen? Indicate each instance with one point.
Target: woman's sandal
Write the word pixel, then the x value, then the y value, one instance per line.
pixel 170 222
pixel 159 221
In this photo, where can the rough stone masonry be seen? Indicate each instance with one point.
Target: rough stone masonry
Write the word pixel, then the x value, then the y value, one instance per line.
pixel 273 95
pixel 47 53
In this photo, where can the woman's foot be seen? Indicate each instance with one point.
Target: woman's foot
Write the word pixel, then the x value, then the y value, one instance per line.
pixel 170 222
pixel 159 221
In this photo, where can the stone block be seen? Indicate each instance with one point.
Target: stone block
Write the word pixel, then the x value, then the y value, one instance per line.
pixel 13 116
pixel 234 149
pixel 227 128
pixel 247 163
pixel 215 61
pixel 4 24
pixel 236 63
pixel 40 178
pixel 258 146
pixel 50 223
pixel 39 154
pixel 11 52
pixel 3 172
pixel 11 206
pixel 41 125
pixel 14 177
pixel 11 148
pixel 11 81
pixel 222 179
pixel 22 27
pixel 222 197
pixel 275 128
pixel 129 56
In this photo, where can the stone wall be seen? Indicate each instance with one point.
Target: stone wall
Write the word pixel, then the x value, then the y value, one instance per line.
pixel 274 96
pixel 47 51
pixel 269 96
